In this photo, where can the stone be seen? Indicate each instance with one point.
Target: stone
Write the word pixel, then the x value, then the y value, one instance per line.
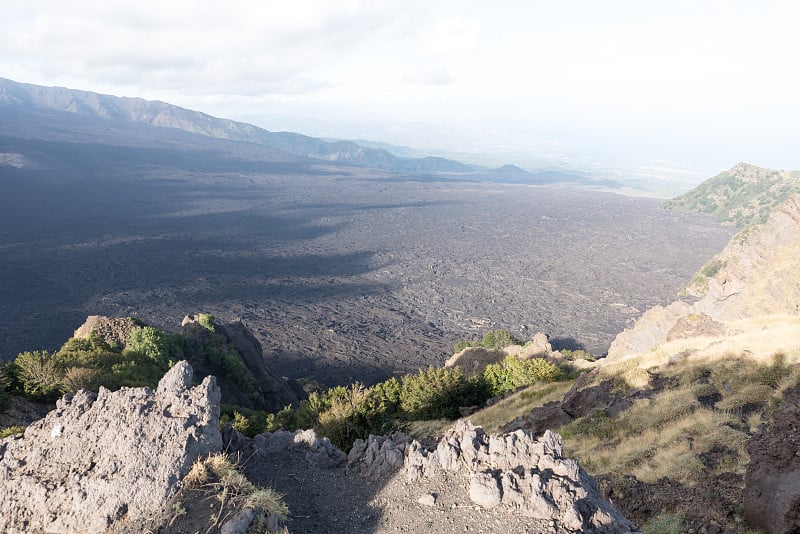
pixel 97 460
pixel 485 490
pixel 239 523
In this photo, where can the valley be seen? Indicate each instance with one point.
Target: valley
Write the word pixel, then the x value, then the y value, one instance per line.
pixel 343 273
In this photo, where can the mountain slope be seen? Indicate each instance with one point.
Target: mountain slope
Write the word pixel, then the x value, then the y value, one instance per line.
pixel 161 114
pixel 744 195
pixel 753 279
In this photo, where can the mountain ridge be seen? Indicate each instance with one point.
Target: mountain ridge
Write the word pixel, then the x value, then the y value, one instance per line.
pixel 162 114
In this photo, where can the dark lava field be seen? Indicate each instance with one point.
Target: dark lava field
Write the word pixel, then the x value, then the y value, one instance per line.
pixel 342 273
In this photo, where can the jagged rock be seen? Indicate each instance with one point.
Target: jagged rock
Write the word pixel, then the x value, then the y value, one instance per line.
pixel 319 452
pixel 99 459
pixel 378 456
pixel 772 481
pixel 648 331
pixel 115 330
pixel 516 470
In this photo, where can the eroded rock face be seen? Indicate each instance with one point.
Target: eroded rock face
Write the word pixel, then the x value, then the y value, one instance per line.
pixel 517 471
pixel 99 459
pixel 772 482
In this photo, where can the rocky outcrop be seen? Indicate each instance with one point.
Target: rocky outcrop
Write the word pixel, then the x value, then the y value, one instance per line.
pixel 319 452
pixel 772 482
pixel 276 391
pixel 473 360
pixel 695 325
pixel 648 331
pixel 98 460
pixel 517 471
pixel 754 269
pixel 114 331
pixel 269 391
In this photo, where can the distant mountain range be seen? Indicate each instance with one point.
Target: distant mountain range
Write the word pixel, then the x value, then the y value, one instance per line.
pixel 157 113
pixel 364 154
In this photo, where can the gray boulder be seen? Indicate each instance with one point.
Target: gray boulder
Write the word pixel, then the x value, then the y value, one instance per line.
pixel 98 460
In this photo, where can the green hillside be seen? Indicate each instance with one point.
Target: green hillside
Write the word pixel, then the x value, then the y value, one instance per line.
pixel 742 196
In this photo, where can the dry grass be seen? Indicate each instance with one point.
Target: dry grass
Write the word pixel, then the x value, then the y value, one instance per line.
pixel 519 404
pixel 218 473
pixel 664 435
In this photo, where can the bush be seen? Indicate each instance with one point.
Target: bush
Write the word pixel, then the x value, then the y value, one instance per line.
pixel 77 378
pixel 498 339
pixel 665 523
pixel 513 373
pixel 39 374
pixel 437 392
pixel 206 321
pixel 155 344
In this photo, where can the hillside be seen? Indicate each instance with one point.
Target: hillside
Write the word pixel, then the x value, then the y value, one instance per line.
pixel 740 197
pixel 165 115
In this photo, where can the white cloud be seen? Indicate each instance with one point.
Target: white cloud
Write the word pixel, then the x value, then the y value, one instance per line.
pixel 689 78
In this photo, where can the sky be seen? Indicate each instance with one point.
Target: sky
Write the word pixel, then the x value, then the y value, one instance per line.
pixel 675 88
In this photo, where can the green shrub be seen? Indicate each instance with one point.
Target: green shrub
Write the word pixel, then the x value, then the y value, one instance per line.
pixel 513 373
pixel 39 374
pixel 206 321
pixel 155 344
pixel 498 339
pixel 579 354
pixel 436 392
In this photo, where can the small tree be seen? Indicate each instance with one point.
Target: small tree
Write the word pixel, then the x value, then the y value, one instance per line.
pixel 39 374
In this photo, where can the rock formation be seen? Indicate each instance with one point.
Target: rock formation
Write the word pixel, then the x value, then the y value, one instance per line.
pixel 98 460
pixel 115 330
pixel 772 482
pixel 518 472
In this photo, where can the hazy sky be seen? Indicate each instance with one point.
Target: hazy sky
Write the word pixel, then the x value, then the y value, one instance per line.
pixel 700 83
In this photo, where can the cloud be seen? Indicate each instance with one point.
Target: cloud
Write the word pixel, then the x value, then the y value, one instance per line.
pixel 436 76
pixel 234 47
